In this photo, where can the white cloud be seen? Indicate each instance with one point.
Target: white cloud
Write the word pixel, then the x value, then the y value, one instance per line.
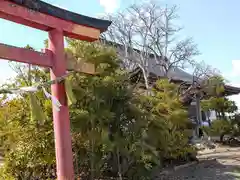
pixel 235 71
pixel 110 6
pixel 235 68
pixel 233 76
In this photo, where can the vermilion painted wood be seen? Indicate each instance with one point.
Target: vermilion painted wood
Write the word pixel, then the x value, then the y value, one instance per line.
pixel 25 55
pixel 13 12
pixel 63 145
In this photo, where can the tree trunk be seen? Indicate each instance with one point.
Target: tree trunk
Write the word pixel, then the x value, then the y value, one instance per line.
pixel 92 151
pixel 145 76
pixel 119 164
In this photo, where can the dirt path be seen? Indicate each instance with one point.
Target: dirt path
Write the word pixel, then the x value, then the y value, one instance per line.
pixel 222 164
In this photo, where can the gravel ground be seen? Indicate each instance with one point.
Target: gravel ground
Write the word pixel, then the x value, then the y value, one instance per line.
pixel 220 164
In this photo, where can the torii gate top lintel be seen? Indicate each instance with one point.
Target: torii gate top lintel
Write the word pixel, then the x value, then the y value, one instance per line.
pixel 44 16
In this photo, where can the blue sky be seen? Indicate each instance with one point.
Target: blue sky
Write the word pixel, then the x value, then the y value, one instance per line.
pixel 214 26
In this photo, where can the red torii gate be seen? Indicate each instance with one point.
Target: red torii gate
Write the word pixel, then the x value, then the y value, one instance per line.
pixel 59 23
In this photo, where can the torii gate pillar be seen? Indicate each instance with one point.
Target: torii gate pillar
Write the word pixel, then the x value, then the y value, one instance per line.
pixel 58 23
pixel 61 122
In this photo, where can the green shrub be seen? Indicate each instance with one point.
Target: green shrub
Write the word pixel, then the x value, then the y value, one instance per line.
pixel 221 126
pixel 115 131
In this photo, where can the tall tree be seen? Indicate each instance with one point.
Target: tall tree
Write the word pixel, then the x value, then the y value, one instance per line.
pixel 147 33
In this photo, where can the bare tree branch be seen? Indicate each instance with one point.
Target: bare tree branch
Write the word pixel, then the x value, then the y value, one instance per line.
pixel 202 71
pixel 147 35
pixel 205 79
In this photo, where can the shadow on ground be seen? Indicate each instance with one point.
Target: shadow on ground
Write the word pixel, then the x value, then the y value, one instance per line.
pixel 205 170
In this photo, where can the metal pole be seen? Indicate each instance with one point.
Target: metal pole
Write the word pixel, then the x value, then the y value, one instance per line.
pixel 63 145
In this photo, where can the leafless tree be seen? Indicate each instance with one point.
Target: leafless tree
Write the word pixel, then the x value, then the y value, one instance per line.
pixel 146 35
pixel 203 71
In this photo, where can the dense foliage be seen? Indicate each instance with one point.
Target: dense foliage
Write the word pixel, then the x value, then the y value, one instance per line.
pixel 116 131
pixel 226 119
pixel 221 105
pixel 215 99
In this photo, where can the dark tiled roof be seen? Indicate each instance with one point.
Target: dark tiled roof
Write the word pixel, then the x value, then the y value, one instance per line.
pixel 57 12
pixel 175 74
pixel 231 90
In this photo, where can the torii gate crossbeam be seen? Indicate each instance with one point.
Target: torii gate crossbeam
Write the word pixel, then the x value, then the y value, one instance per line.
pixel 58 23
